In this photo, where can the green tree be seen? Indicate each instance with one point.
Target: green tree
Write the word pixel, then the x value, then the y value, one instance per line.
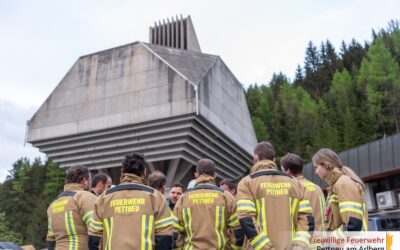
pixel 342 102
pixel 380 77
pixel 312 65
pixel 6 234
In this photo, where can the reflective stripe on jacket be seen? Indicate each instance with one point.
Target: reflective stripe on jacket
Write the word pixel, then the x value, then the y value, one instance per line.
pixel 131 216
pixel 271 209
pixel 69 217
pixel 314 194
pixel 207 218
pixel 346 209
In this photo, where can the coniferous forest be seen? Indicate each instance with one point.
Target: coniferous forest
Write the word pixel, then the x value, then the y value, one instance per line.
pixel 339 98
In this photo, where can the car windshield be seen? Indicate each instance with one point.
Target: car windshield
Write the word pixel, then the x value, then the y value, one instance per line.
pixel 390 223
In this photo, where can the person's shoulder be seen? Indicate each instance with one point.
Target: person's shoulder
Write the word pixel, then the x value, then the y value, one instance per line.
pixel 130 186
pixel 244 180
pixel 85 195
pixel 344 183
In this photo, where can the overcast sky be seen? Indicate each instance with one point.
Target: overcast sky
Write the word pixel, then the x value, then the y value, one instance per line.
pixel 40 41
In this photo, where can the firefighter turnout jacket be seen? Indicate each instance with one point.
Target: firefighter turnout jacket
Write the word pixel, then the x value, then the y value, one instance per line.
pixel 314 194
pixel 272 211
pixel 131 216
pixel 207 218
pixel 346 209
pixel 68 218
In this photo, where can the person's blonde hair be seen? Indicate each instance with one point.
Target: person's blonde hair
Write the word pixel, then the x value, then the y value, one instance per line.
pixel 329 159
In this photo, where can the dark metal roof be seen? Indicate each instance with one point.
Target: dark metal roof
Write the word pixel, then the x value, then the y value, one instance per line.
pixel 369 159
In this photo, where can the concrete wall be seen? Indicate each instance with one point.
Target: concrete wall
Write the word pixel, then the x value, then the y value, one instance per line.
pixel 120 86
pixel 223 103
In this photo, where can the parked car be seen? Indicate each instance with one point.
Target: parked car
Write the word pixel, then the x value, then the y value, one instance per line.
pixel 9 245
pixel 384 223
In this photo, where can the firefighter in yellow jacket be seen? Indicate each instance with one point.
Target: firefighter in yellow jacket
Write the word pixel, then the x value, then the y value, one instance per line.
pixel 346 209
pixel 206 215
pixel 69 215
pixel 131 215
pixel 292 165
pixel 272 212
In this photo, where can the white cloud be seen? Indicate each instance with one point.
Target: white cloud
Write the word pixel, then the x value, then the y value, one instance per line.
pixel 12 136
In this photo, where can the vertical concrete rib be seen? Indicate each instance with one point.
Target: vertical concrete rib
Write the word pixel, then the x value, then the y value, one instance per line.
pixel 155 33
pixel 159 34
pixel 168 44
pixel 164 33
pixel 172 168
pixel 177 33
pixel 184 169
pixel 184 34
pixel 151 167
pixel 181 42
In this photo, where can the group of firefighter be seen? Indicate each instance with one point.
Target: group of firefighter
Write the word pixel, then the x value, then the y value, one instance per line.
pixel 273 209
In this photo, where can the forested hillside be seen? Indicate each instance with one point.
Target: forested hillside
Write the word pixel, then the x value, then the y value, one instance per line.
pixel 337 99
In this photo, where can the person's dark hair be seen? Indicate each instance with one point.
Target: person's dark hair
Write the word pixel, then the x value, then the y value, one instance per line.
pixel 99 177
pixel 205 166
pixel 157 180
pixel 76 174
pixel 178 185
pixel 292 162
pixel 265 151
pixel 134 164
pixel 229 182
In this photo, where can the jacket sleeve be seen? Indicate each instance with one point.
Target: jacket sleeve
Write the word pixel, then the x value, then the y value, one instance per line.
pixel 318 205
pixel 304 221
pixel 96 223
pixel 246 208
pixel 163 223
pixel 236 235
pixel 179 232
pixel 86 204
pixel 351 206
pixel 51 238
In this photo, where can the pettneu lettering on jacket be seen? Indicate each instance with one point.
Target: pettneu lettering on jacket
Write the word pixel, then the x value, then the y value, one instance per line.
pixel 132 216
pixel 207 218
pixel 265 199
pixel 69 216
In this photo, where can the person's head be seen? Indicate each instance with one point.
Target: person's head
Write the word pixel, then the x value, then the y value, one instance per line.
pixel 263 151
pixel 157 181
pixel 292 164
pixel 176 192
pixel 100 183
pixel 228 185
pixel 134 163
pixel 326 160
pixel 108 183
pixel 79 174
pixel 205 166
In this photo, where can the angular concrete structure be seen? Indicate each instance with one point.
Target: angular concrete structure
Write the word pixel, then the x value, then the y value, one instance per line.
pixel 174 105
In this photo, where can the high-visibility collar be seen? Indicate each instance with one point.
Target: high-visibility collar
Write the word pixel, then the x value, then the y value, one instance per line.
pixel 263 165
pixel 332 176
pixel 132 178
pixel 73 187
pixel 205 179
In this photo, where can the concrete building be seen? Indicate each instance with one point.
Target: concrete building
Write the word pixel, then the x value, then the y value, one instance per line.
pixel 165 99
pixel 378 165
